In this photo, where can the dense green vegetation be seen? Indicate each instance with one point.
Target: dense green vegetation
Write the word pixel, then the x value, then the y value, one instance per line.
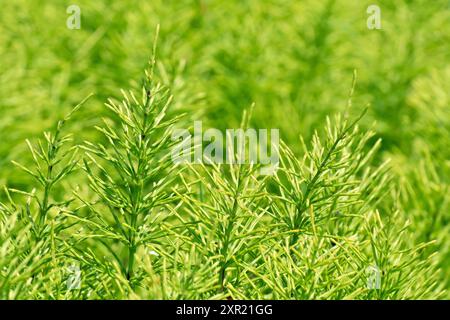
pixel 93 207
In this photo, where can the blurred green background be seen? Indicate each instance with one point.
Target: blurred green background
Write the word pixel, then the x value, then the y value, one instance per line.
pixel 293 58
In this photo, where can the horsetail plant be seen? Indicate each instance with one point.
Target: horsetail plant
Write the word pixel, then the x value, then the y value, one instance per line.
pixel 29 235
pixel 313 230
pixel 130 173
pixel 52 165
pixel 222 209
pixel 325 180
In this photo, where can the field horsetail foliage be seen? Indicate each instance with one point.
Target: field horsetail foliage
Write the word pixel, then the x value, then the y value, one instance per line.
pixel 265 151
